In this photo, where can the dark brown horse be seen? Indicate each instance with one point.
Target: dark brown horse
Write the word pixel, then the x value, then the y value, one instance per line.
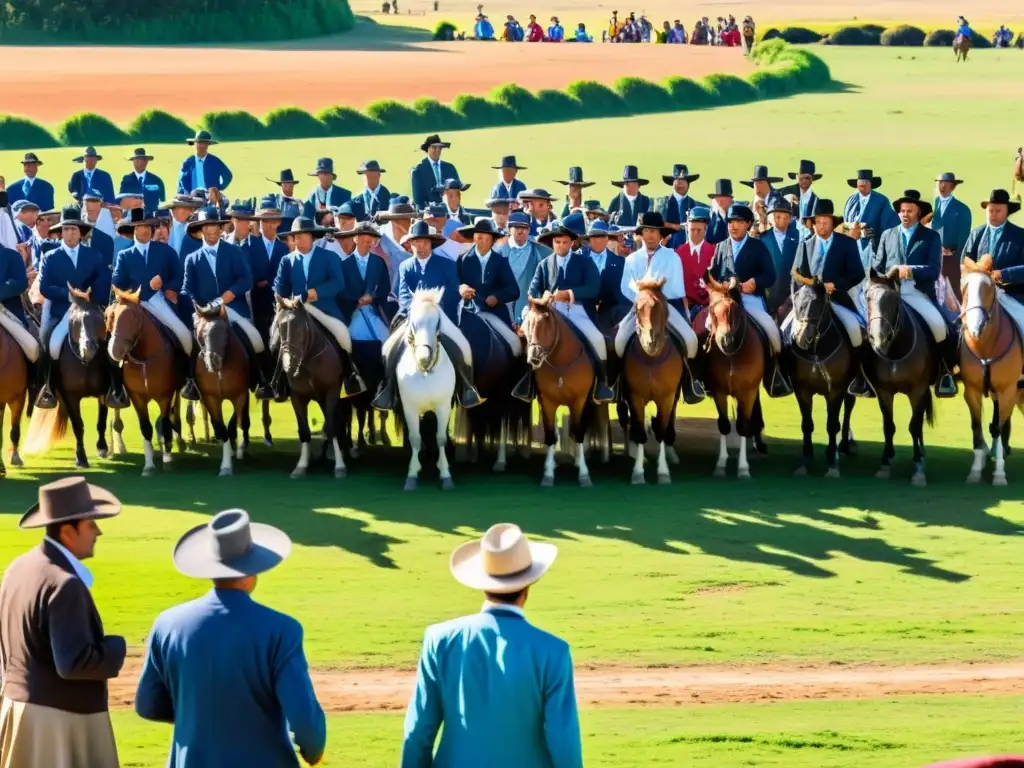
pixel 653 370
pixel 222 374
pixel 150 371
pixel 14 383
pixel 564 376
pixel 733 359
pixel 315 372
pixel 991 364
pixel 822 361
pixel 961 47
pixel 903 360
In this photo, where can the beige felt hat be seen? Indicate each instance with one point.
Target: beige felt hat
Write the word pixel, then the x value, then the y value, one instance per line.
pixel 503 561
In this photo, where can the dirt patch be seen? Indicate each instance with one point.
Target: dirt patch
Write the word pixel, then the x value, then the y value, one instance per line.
pixel 389 689
pixel 260 80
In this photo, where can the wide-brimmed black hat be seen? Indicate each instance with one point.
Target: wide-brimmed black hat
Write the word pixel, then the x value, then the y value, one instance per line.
pixel 67 500
pixel 71 216
pixel 323 165
pixel 806 167
pixel 723 188
pixel 453 184
pixel 206 215
pixel 433 140
pixel 399 207
pixel 576 178
pixel 761 174
pixel 268 209
pixel 630 173
pixel 134 217
pixel 536 194
pixel 912 196
pixel 547 236
pixel 950 177
pixel 140 154
pixel 866 175
pixel 181 201
pixel 482 226
pixel 680 171
pixel 652 220
pixel 1001 197
pixel 242 209
pixel 303 226
pixel 509 161
pixel 31 157
pixel 779 204
pixel 88 152
pixel 202 137
pixel 286 176
pixel 822 206
pixel 370 165
pixel 739 212
pixel 420 230
pixel 362 228
pixel 230 547
pixel 595 207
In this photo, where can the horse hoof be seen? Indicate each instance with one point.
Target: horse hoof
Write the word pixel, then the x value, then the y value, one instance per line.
pixel 548 481
pixel 268 442
pixel 743 474
pixel 499 466
pixel 638 479
pixel 672 456
pixel 832 473
pixel 340 473
pixel 447 484
pixel 719 472
pixel 353 452
pixel 883 473
pixel 918 480
pixel 410 483
pixel 167 458
pixel 999 479
pixel 16 460
pixel 585 481
pixel 848 448
pixel 800 471
pixel 147 472
pixel 974 478
pixel 82 463
pixel 225 472
pixel 298 472
pixel 103 453
pixel 664 480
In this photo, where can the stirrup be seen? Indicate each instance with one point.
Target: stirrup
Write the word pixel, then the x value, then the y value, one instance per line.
pixel 45 400
pixel 524 389
pixel 946 386
pixel 116 399
pixel 265 392
pixel 190 392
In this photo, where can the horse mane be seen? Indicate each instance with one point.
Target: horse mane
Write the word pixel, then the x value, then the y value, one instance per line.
pixel 650 282
pixel 128 297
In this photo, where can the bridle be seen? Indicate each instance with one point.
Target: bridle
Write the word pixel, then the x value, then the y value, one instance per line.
pixel 78 319
pixel 894 328
pixel 743 330
pixel 299 354
pixel 818 362
pixel 544 355
pixel 435 348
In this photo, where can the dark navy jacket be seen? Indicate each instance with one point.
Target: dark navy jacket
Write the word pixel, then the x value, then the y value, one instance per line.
pixel 628 214
pixel 423 183
pixel 153 192
pixel 611 306
pixel 843 266
pixel 377 284
pixel 132 271
pixel 101 182
pixel 878 215
pixel 215 174
pixel 13 282
pixel 41 193
pixel 718 229
pixel 497 280
pixel 233 274
pixel 56 272
pixel 754 262
pixel 580 276
pixel 335 196
pixel 673 213
pixel 441 272
pixel 324 277
pixel 498 191
pixel 377 204
pixel 1009 255
pixel 783 260
pixel 924 255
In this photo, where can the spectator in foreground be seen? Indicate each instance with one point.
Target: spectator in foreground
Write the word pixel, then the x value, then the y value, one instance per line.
pixel 580 35
pixel 556 32
pixel 483 30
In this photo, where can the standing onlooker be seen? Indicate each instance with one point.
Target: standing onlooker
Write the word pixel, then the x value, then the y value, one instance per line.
pixel 31 187
pixel 228 673
pixel 534 31
pixel 580 35
pixel 91 178
pixel 556 32
pixel 203 170
pixel 677 35
pixel 56 658
pixel 483 29
pixel 513 30
pixel 503 710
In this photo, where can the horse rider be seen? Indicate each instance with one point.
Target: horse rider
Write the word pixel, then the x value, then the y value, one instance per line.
pixel 805 176
pixel 314 276
pixel 626 207
pixel 696 255
pixel 871 210
pixel 576 184
pixel 431 172
pixel 917 252
pixel 539 204
pixel 152 186
pixel 523 255
pixel 676 207
pixel 13 285
pixel 218 275
pixel 425 270
pixel 747 260
pixel 365 299
pixel 181 208
pixel 500 210
pixel 91 177
pixel 655 260
pixel 240 213
pixel 285 201
pixel 326 194
pixel 952 220
pixel 202 170
pixel 451 194
pixel 69 265
pixel 1005 242
pixel 487 284
pixel 508 185
pixel 833 258
pixel 574 284
pixel 721 201
pixel 611 306
pixel 962 28
pixel 761 182
pixel 154 270
pixel 97 239
pixel 375 196
pixel 265 252
pixel 782 241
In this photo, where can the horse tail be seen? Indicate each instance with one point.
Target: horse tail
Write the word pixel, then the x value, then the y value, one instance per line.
pixel 45 429
pixel 929 408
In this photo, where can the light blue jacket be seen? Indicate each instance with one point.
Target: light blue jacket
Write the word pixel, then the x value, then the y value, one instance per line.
pixel 502 688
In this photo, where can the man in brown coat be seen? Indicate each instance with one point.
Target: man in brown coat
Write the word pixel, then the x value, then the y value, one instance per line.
pixel 55 659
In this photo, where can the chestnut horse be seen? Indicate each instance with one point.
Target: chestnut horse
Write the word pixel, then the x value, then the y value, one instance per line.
pixel 150 373
pixel 961 47
pixel 14 383
pixel 564 376
pixel 222 373
pixel 991 364
pixel 653 370
pixel 1018 170
pixel 734 366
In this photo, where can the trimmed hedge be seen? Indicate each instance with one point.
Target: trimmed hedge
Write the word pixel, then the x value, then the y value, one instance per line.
pixel 783 70
pixel 771 34
pixel 444 30
pixel 940 38
pixel 979 41
pixel 904 35
pixel 800 35
pixel 853 35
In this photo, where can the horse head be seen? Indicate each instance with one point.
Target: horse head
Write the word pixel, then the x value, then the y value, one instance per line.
pixel 425 327
pixel 123 323
pixel 980 294
pixel 651 315
pixel 540 329
pixel 86 326
pixel 883 300
pixel 725 309
pixel 294 333
pixel 811 306
pixel 212 335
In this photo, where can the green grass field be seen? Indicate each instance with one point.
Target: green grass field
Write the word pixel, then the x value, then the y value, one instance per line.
pixel 703 572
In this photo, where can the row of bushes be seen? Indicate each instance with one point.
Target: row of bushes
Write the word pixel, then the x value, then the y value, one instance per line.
pixel 872 34
pixel 783 70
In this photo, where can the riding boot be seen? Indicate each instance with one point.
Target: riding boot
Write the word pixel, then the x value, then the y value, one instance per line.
pixel 861 386
pixel 526 388
pixel 354 384
pixel 385 398
pixel 775 381
pixel 264 372
pixel 45 400
pixel 190 391
pixel 279 383
pixel 117 397
pixel 469 397
pixel 602 392
pixel 949 351
pixel 692 389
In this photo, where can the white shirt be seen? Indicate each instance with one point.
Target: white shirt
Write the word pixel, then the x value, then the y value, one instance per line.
pixel 695 247
pixel 77 566
pixel 665 263
pixel 805 196
pixel 492 606
pixel 780 237
pixel 72 254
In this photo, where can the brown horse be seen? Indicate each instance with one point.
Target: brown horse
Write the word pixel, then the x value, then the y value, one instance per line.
pixel 14 383
pixel 961 46
pixel 991 364
pixel 653 370
pixel 150 372
pixel 222 373
pixel 564 376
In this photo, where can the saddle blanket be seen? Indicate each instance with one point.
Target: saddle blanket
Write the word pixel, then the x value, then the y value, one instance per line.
pixel 334 326
pixel 577 316
pixel 165 315
pixel 247 328
pixel 925 308
pixel 28 343
pixel 367 325
pixel 499 329
pixel 627 329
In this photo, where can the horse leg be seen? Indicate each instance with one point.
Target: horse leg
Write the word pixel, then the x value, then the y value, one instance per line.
pixel 3 407
pixel 746 405
pixel 443 414
pixel 724 428
pixel 215 410
pixel 835 405
pixel 360 443
pixel 412 432
pixel 330 408
pixel 973 397
pixel 663 422
pixel 176 421
pixel 757 427
pixel 190 419
pixel 499 464
pixel 847 445
pixel 606 435
pixel 806 402
pixel 118 430
pixel 206 425
pixel 241 414
pixel 670 436
pixel 637 435
pixel 246 426
pixel 102 449
pixel 385 439
pixel 17 408
pixel 1001 436
pixel 917 435
pixel 146 427
pixel 301 408
pixel 578 428
pixel 888 431
pixel 74 407
pixel 165 405
pixel 268 439
pixel 547 416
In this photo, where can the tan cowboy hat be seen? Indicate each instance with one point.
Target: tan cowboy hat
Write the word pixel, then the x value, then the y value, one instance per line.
pixel 70 499
pixel 503 561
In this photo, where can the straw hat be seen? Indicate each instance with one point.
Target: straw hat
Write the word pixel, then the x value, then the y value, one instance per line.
pixel 503 561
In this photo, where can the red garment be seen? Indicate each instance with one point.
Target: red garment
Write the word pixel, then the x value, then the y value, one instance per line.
pixel 731 38
pixel 695 265
pixel 534 33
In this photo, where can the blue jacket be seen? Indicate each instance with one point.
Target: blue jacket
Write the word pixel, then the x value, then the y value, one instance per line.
pixel 611 306
pixel 215 174
pixel 879 216
pixel 56 272
pixel 335 196
pixel 842 267
pixel 363 210
pixel 324 277
pixel 628 214
pixel 264 266
pixel 41 193
pixel 498 191
pixel 674 213
pixel 581 277
pixel 1009 255
pixel 377 284
pixel 13 281
pixel 424 184
pixel 101 182
pixel 231 676
pixel 718 229
pixel 504 691
pixel 754 262
pixel 233 274
pixel 153 192
pixel 783 261
pixel 104 243
pixel 924 255
pixel 953 226
pixel 441 272
pixel 497 280
pixel 132 271
pixel 536 226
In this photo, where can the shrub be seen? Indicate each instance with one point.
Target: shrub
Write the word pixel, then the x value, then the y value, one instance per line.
pixel 90 128
pixel 771 34
pixel 903 35
pixel 519 101
pixel 979 41
pixel 444 30
pixel 233 125
pixel 345 121
pixel 799 35
pixel 20 133
pixel 436 116
pixel 642 95
pixel 942 38
pixel 395 116
pixel 292 123
pixel 684 93
pixel 154 126
pixel 771 84
pixel 728 89
pixel 865 35
pixel 478 112
pixel 557 105
pixel 596 99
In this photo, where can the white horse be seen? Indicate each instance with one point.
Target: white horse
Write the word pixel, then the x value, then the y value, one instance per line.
pixel 426 380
